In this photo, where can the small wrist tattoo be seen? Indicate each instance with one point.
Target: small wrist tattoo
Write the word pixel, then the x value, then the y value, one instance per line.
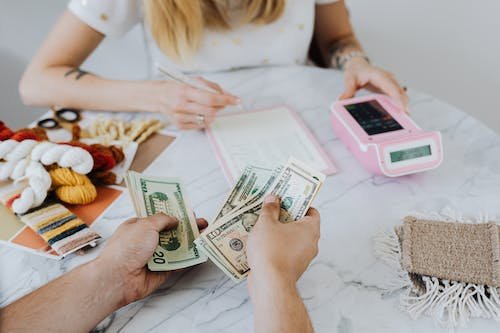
pixel 79 73
pixel 343 51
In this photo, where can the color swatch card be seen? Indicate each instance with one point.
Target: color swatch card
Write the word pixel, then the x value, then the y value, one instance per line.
pixel 55 230
pixel 265 138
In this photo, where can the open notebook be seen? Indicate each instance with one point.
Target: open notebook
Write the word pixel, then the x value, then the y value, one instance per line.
pixel 265 138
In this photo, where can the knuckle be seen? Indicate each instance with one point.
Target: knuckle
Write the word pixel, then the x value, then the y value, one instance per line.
pixel 271 206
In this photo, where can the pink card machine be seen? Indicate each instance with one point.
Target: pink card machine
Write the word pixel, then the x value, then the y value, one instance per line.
pixel 384 138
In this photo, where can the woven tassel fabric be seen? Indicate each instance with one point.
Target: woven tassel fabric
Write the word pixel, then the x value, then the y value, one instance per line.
pixel 448 267
pixel 60 228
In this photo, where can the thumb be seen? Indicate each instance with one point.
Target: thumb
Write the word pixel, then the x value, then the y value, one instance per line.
pixel 350 88
pixel 161 221
pixel 271 208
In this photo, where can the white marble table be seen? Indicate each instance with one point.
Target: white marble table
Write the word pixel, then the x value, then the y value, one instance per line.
pixel 342 286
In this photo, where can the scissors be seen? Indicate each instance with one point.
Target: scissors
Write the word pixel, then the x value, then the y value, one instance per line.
pixel 59 118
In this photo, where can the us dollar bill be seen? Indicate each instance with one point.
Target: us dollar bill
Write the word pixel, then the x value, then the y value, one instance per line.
pixel 225 239
pixel 253 182
pixel 176 248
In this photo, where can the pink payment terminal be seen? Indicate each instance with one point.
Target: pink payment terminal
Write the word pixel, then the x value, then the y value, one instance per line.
pixel 384 138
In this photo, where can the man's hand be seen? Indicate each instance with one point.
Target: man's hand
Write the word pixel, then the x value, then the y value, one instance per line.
pixel 286 249
pixel 129 249
pixel 80 299
pixel 278 254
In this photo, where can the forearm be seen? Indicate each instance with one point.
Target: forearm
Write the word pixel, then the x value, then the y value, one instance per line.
pixel 334 34
pixel 75 302
pixel 277 305
pixel 70 87
pixel 337 52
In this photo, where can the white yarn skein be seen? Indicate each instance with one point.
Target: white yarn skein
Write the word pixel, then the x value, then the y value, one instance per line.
pixel 40 149
pixel 47 153
pixel 66 156
pixel 39 182
pixel 6 146
pixel 20 169
pixel 21 150
pixel 23 160
pixel 78 159
pixel 53 155
pixel 22 204
pixel 6 169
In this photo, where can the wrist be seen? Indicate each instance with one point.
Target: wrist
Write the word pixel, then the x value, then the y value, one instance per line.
pixel 109 283
pixel 357 61
pixel 143 95
pixel 263 279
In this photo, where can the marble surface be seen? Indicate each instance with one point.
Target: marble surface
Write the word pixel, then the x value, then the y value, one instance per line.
pixel 342 287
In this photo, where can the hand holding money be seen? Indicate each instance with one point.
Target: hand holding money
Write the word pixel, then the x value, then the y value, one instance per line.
pixel 284 249
pixel 225 239
pixel 129 249
pixel 153 195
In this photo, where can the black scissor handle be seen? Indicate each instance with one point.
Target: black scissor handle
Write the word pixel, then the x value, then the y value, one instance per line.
pixel 48 123
pixel 68 115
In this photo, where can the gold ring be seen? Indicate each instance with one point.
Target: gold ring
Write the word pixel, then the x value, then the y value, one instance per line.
pixel 200 120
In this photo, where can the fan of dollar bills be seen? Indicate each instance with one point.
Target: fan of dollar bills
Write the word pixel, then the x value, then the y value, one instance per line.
pixel 224 240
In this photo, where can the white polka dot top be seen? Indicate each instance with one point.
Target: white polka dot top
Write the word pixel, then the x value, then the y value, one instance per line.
pixel 283 42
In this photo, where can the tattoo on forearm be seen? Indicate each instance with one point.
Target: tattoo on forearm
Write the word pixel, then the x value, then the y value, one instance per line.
pixel 339 50
pixel 79 73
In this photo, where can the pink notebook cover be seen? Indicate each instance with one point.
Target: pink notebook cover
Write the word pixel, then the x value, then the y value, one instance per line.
pixel 329 170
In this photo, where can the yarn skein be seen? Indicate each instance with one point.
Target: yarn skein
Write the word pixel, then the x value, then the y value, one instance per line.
pixel 36 191
pixel 71 187
pixel 47 153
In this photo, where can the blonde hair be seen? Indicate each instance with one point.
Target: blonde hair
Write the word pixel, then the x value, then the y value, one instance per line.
pixel 177 25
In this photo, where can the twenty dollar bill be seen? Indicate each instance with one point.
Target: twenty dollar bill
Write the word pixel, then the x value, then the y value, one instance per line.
pixel 153 195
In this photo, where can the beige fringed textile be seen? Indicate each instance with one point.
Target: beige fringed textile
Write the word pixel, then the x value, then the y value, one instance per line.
pixel 447 266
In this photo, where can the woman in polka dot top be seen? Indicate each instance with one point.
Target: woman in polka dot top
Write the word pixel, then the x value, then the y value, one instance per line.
pixel 194 36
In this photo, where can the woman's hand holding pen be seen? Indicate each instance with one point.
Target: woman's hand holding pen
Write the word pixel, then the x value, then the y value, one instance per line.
pixel 186 106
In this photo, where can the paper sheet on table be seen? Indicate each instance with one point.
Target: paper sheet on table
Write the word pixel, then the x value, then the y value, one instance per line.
pixel 265 138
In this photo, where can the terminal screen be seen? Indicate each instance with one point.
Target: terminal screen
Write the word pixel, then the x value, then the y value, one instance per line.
pixel 373 118
pixel 411 153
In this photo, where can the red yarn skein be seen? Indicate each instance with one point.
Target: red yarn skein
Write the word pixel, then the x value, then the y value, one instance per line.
pixel 5 132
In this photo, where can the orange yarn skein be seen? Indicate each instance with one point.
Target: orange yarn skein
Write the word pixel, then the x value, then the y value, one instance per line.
pixel 71 187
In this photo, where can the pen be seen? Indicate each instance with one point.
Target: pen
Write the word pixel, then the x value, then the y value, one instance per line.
pixel 182 78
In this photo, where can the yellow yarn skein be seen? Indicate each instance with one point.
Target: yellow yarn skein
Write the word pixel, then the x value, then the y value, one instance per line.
pixel 72 187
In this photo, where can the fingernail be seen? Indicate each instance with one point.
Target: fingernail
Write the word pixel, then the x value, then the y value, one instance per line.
pixel 270 199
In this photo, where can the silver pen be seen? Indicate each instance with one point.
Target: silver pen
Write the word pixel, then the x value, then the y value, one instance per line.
pixel 180 77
